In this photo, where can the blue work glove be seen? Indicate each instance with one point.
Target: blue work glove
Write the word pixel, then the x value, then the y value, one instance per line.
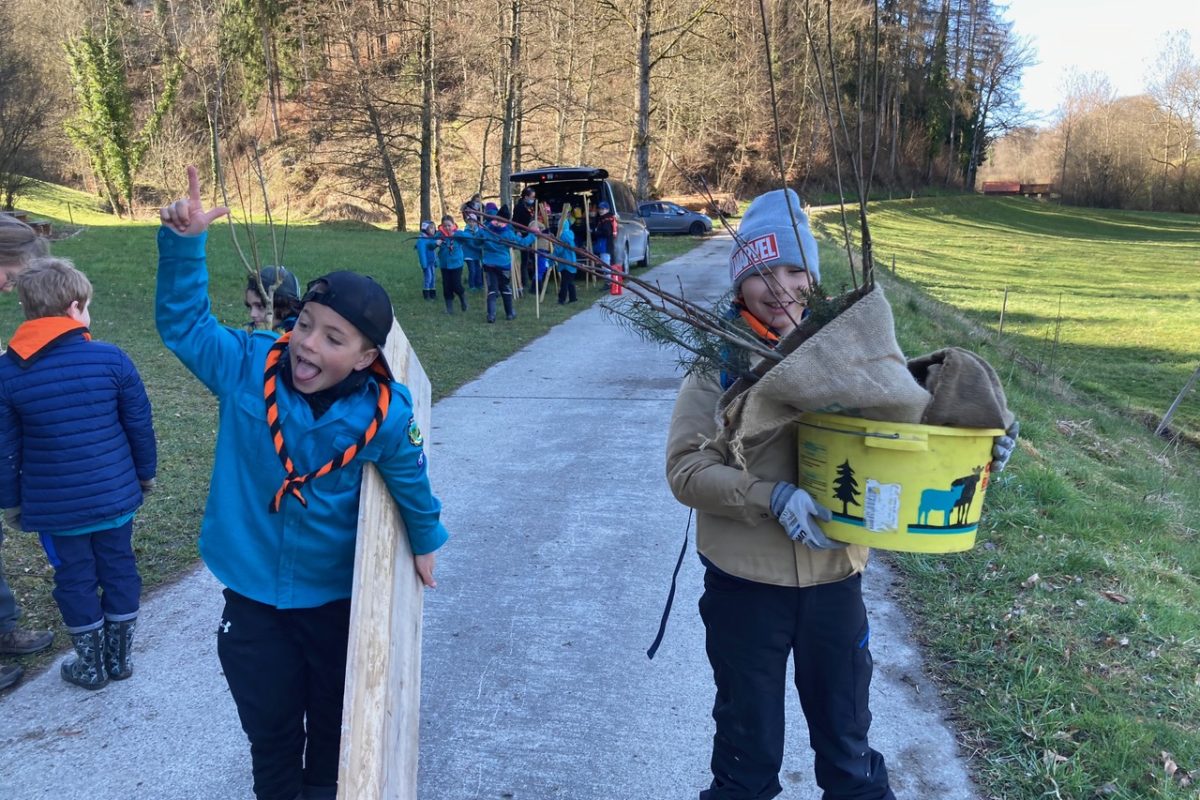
pixel 798 513
pixel 1003 446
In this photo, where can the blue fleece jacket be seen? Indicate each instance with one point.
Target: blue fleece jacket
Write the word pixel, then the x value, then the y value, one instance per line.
pixel 299 557
pixel 495 244
pixel 471 244
pixel 426 251
pixel 449 252
pixel 564 252
pixel 76 434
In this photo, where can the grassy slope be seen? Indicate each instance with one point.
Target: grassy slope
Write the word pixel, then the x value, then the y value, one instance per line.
pixel 120 259
pixel 1066 640
pixel 1128 283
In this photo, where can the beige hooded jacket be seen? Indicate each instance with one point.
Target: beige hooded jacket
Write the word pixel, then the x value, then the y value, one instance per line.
pixel 735 529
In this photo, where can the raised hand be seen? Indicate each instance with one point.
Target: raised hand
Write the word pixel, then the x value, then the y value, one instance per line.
pixel 187 217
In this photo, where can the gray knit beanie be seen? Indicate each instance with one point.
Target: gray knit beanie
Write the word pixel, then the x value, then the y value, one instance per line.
pixel 767 239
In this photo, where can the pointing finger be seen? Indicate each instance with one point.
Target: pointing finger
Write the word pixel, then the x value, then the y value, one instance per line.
pixel 193 184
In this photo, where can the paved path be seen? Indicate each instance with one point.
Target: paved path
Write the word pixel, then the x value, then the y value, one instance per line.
pixel 536 683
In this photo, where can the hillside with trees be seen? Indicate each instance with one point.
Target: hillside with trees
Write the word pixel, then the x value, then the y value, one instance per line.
pixel 390 110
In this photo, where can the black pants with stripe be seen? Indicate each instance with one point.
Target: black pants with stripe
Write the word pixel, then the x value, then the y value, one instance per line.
pixel 286 670
pixel 751 630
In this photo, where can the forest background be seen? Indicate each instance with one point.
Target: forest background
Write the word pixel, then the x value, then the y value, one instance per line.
pixel 376 109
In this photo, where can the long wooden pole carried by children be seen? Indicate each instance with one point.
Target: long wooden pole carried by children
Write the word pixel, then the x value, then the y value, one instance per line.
pixel 380 717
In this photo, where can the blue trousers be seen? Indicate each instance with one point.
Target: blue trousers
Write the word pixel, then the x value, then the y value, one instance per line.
pixel 95 577
pixel 751 630
pixel 474 274
pixel 427 274
pixel 8 603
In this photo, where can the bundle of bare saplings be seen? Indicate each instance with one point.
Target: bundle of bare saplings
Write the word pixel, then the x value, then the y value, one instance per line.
pixel 909 442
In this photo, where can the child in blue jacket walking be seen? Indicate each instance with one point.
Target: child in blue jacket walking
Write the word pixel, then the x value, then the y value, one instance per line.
pixel 496 237
pixel 77 454
pixel 299 416
pixel 450 260
pixel 472 251
pixel 564 255
pixel 426 246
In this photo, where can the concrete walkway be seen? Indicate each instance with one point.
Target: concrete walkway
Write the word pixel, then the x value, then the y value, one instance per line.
pixel 536 682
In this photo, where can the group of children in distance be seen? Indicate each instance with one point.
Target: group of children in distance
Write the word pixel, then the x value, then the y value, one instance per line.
pixel 483 249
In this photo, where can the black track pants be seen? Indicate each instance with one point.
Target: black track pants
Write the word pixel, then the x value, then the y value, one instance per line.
pixel 751 630
pixel 286 670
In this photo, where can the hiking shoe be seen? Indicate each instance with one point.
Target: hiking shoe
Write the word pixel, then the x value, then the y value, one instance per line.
pixel 10 674
pixel 21 643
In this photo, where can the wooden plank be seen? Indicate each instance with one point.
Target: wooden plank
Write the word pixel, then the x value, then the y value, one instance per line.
pixel 383 668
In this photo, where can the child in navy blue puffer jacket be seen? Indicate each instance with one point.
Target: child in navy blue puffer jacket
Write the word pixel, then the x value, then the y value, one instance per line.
pixel 77 454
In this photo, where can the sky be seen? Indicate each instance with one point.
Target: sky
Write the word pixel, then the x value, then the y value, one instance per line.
pixel 1116 37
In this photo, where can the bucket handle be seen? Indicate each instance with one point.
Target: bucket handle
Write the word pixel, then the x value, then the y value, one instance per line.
pixel 883 441
pixel 892 441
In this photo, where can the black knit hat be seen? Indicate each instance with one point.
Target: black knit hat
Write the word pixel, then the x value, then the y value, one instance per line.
pixel 285 283
pixel 360 300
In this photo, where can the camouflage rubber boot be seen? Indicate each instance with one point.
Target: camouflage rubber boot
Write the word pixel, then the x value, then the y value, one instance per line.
pixel 118 648
pixel 87 669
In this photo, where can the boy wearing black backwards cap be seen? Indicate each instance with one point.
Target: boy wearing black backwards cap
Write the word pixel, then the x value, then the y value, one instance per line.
pixel 299 415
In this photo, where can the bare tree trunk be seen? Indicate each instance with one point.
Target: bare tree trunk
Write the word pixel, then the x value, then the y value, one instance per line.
pixel 426 110
pixel 642 137
pixel 585 116
pixel 507 134
pixel 268 46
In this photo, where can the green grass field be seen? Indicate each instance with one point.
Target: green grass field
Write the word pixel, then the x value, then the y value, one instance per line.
pixel 1127 285
pixel 121 259
pixel 1066 641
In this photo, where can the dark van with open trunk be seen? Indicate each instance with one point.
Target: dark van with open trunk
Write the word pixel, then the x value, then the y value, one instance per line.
pixel 559 185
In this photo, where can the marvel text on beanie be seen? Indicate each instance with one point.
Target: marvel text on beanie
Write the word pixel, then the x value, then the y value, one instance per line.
pixel 767 238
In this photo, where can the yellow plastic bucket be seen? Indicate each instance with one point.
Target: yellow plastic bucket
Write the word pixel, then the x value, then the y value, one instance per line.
pixel 896 486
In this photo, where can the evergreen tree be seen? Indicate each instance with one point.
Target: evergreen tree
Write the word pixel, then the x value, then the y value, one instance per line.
pixel 846 487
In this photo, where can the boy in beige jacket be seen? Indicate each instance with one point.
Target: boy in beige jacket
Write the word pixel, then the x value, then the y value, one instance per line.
pixel 774 585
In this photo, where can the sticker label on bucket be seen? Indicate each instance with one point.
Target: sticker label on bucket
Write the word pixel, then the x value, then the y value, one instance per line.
pixel 881 509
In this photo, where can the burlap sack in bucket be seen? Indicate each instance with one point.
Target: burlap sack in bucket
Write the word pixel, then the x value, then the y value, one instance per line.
pixel 853 365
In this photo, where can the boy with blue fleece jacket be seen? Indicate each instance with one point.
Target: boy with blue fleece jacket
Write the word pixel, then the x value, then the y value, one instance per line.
pixel 426 246
pixel 450 260
pixel 77 454
pixel 472 252
pixel 564 255
pixel 495 237
pixel 299 416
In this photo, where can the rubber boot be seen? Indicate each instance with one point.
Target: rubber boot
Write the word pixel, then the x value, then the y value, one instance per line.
pixel 462 299
pixel 491 306
pixel 508 307
pixel 433 294
pixel 87 668
pixel 118 648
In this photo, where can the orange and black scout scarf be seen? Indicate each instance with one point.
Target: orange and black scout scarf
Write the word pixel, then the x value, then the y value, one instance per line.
pixel 762 331
pixel 295 481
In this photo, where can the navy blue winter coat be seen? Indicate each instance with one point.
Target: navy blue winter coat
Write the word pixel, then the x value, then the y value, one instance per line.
pixel 76 435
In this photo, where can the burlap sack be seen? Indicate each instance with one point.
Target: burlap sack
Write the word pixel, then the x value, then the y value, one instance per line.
pixel 966 390
pixel 853 366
